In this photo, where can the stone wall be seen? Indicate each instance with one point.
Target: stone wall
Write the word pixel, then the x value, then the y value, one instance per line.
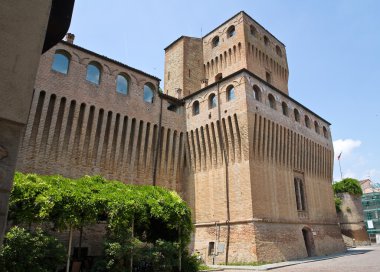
pixel 351 218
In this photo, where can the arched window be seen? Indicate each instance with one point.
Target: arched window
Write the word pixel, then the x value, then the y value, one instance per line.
pixel 284 109
pixel 278 51
pixel 296 115
pixel 215 41
pixel 122 84
pixel 196 107
pixel 230 93
pixel 257 92
pixel 253 30
pixel 266 40
pixel 212 101
pixel 272 101
pixel 325 133
pixel 307 121
pixel 316 126
pixel 231 31
pixel 93 73
pixel 61 62
pixel 148 93
pixel 300 194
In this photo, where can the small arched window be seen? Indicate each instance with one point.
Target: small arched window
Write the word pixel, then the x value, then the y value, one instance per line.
pixel 231 31
pixel 296 115
pixel 253 30
pixel 257 92
pixel 307 121
pixel 61 62
pixel 93 73
pixel 325 133
pixel 278 51
pixel 266 40
pixel 148 93
pixel 122 84
pixel 272 101
pixel 316 127
pixel 215 41
pixel 196 107
pixel 284 109
pixel 230 93
pixel 212 101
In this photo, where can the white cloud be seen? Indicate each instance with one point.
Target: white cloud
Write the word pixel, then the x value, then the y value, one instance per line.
pixel 345 146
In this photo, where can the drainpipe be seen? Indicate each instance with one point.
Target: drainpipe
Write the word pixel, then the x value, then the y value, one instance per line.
pixel 226 181
pixel 158 145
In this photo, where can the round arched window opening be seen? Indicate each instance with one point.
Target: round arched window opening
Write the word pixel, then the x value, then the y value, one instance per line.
pixel 266 40
pixel 61 62
pixel 215 41
pixel 212 101
pixel 296 115
pixel 272 101
pixel 230 93
pixel 257 93
pixel 278 51
pixel 148 93
pixel 196 107
pixel 231 31
pixel 325 133
pixel 316 126
pixel 253 30
pixel 284 109
pixel 307 121
pixel 122 84
pixel 93 73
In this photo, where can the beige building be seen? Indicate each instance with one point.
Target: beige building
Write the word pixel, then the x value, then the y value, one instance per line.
pixel 27 28
pixel 254 164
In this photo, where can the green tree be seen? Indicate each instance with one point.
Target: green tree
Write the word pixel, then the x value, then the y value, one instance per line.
pixel 32 252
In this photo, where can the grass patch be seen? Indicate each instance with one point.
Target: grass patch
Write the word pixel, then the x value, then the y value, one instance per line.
pixel 204 267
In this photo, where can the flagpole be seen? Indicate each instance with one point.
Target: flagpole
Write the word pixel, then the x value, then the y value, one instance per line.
pixel 340 167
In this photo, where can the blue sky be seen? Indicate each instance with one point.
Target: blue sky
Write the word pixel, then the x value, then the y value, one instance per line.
pixel 333 49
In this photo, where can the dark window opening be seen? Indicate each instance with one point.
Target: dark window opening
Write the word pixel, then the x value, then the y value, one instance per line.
pixel 300 194
pixel 284 109
pixel 272 101
pixel 211 248
pixel 215 41
pixel 196 108
pixel 212 101
pixel 257 93
pixel 231 31
pixel 266 40
pixel 230 93
pixel 296 115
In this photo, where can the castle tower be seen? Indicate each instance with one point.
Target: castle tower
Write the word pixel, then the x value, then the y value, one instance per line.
pixel 239 43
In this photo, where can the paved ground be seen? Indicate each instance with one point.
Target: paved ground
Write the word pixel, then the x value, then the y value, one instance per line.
pixel 366 259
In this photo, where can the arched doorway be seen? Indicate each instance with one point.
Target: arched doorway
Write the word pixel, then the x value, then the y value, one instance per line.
pixel 309 241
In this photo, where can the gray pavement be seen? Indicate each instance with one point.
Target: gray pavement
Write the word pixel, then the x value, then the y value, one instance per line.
pixel 366 259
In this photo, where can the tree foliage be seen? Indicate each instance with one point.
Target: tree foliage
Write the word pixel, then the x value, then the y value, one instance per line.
pixel 140 218
pixel 32 252
pixel 348 185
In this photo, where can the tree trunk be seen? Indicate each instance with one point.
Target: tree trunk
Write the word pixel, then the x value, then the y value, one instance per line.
pixel 69 250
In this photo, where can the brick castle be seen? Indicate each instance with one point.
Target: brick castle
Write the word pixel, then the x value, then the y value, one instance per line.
pixel 254 164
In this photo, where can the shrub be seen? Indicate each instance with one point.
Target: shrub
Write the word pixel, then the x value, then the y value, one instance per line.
pixel 338 204
pixel 348 185
pixel 32 252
